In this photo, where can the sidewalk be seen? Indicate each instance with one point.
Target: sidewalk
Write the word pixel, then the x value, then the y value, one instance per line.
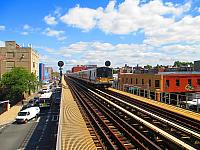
pixel 9 116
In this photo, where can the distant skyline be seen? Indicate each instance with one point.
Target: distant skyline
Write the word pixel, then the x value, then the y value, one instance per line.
pixel 81 32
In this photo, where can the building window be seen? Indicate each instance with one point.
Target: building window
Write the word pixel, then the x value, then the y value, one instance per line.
pixel 142 81
pixel 126 80
pixel 149 83
pixel 177 82
pixel 198 81
pixel 136 81
pixel 157 83
pixel 10 65
pixel 167 83
pixel 190 81
pixel 33 64
pixel 131 81
pixel 10 54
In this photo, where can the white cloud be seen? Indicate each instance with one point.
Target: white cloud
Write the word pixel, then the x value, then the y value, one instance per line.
pixel 198 9
pixel 185 30
pixel 84 18
pixel 24 33
pixel 2 44
pixel 2 28
pixel 26 27
pixel 98 53
pixel 170 34
pixel 55 33
pixel 50 20
pixel 57 12
pixel 82 53
pixel 44 48
pixel 127 17
pixel 157 19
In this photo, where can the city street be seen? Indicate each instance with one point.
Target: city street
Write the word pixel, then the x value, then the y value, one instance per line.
pixel 14 134
pixel 38 133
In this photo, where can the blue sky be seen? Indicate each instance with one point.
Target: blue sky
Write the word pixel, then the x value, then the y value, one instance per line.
pixel 83 32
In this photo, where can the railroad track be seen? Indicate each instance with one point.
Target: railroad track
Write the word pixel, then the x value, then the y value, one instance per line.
pixel 109 126
pixel 137 121
pixel 173 117
pixel 185 134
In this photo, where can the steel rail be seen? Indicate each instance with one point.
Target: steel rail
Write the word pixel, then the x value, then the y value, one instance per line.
pixel 138 139
pixel 187 122
pixel 194 136
pixel 158 140
pixel 156 116
pixel 137 135
pixel 165 134
pixel 106 140
pixel 158 130
pixel 97 140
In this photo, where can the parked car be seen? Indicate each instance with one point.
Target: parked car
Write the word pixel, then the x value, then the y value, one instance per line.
pixel 36 97
pixel 46 90
pixel 27 114
pixel 193 102
pixel 33 102
pixel 41 92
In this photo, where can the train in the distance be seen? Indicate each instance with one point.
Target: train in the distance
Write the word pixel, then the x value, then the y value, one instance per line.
pixel 100 77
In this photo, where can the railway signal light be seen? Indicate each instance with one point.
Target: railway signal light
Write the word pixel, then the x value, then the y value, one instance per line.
pixel 107 63
pixel 60 63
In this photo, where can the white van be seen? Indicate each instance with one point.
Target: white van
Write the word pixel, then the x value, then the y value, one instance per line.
pixel 27 114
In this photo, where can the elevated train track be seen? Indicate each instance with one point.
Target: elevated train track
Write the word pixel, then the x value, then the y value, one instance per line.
pixel 187 132
pixel 111 132
pixel 173 117
pixel 124 125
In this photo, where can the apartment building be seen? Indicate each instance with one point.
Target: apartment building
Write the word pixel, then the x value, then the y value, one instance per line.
pixel 12 55
pixel 161 84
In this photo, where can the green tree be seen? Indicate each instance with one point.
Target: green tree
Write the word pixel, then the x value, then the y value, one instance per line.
pixel 17 81
pixel 115 71
pixel 158 66
pixel 55 74
pixel 32 83
pixel 179 64
pixel 148 66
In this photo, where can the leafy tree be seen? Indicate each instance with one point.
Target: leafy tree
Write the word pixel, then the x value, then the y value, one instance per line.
pixel 17 81
pixel 179 64
pixel 115 71
pixel 32 83
pixel 148 66
pixel 158 66
pixel 56 74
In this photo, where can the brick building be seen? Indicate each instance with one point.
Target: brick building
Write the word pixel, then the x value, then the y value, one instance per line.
pixel 12 55
pixel 157 85
pixel 49 70
pixel 78 68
